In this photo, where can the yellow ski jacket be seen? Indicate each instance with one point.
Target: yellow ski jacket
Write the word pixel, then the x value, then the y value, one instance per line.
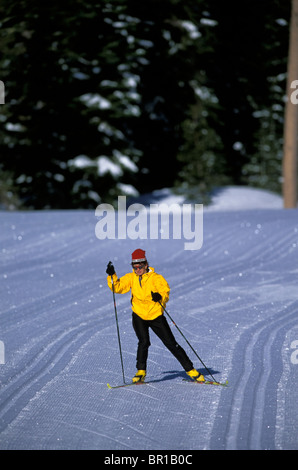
pixel 141 299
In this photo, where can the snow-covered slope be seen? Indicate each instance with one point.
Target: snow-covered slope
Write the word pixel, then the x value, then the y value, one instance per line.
pixel 235 300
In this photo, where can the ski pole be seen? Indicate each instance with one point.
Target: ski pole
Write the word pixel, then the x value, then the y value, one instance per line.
pixel 187 341
pixel 118 332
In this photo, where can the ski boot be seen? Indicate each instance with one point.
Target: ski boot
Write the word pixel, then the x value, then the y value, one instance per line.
pixel 195 375
pixel 140 376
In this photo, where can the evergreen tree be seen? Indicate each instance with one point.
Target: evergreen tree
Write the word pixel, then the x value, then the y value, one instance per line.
pixel 109 97
pixel 245 66
pixel 68 102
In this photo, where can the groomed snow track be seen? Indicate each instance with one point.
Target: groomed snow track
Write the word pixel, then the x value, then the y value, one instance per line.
pixel 235 300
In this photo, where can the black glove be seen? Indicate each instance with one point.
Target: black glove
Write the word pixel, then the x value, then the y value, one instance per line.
pixel 156 297
pixel 110 269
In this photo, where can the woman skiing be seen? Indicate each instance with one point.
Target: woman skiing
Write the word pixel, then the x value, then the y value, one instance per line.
pixel 149 291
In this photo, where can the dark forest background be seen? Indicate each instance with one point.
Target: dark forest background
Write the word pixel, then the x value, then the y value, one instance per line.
pixel 122 97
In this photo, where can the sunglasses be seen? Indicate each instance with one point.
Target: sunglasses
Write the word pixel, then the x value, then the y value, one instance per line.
pixel 138 265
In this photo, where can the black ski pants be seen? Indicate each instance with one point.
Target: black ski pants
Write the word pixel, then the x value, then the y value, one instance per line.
pixel 161 328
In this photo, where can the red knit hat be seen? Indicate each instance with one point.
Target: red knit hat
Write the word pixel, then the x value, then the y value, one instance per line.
pixel 138 256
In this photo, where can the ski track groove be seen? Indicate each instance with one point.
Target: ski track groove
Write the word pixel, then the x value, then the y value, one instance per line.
pixel 39 371
pixel 62 297
pixel 245 426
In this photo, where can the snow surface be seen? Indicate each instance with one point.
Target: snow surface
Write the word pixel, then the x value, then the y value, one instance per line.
pixel 235 300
